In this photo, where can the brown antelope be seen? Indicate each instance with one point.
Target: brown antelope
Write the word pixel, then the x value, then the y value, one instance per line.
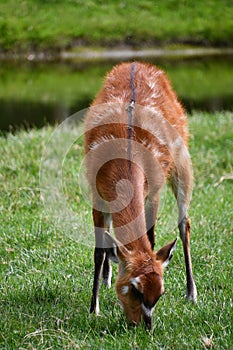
pixel 135 138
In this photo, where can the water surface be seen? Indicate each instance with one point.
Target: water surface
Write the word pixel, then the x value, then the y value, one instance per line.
pixel 35 94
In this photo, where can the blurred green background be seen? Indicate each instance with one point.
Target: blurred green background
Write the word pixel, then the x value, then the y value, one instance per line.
pixel 44 24
pixel 38 85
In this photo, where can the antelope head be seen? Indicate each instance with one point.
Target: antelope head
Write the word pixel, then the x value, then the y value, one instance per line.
pixel 139 283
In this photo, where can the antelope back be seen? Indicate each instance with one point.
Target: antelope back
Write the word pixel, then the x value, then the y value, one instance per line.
pixel 159 124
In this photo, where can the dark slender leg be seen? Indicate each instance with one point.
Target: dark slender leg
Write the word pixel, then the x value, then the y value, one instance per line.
pixel 184 228
pixel 107 268
pixel 181 186
pixel 107 271
pixel 151 236
pixel 151 213
pixel 99 256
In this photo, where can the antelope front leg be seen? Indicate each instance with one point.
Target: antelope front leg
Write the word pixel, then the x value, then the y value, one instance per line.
pixel 99 256
pixel 107 268
pixel 184 228
pixel 107 272
pixel 151 209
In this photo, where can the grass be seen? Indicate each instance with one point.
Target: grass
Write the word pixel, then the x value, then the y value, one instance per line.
pixel 56 24
pixel 46 274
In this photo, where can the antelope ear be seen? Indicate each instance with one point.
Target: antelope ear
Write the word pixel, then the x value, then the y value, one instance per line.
pixel 116 251
pixel 165 254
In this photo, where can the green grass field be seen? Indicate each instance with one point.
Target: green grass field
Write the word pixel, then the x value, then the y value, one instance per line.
pixel 46 275
pixel 36 24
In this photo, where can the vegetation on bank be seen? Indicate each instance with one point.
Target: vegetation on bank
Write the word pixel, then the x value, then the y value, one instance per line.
pixel 46 274
pixel 39 25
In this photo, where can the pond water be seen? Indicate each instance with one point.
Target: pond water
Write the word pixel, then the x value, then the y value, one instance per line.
pixel 35 94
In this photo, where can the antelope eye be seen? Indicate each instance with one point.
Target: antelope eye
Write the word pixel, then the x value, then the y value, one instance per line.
pixel 136 292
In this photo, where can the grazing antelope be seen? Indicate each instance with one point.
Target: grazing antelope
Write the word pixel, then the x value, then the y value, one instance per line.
pixel 135 139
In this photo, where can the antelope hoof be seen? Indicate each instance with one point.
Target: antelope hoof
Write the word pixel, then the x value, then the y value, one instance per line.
pixel 107 282
pixel 192 294
pixel 94 307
